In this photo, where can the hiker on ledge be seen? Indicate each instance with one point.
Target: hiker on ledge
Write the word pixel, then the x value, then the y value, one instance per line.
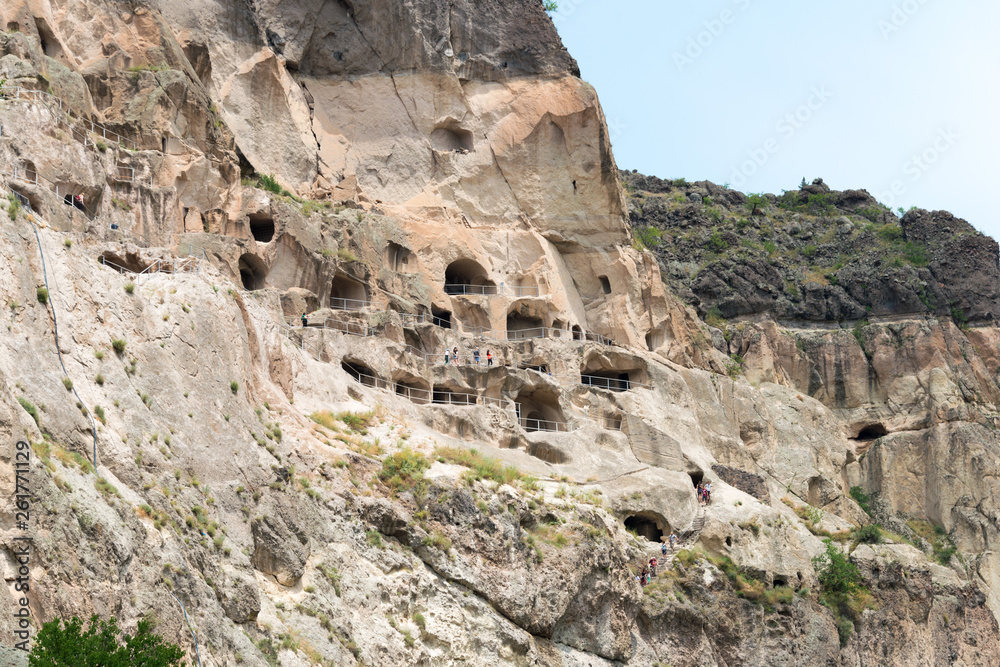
pixel 78 203
pixel 305 321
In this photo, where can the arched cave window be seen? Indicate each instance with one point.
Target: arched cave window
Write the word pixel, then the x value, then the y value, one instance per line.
pixel 252 272
pixel 696 477
pixel 605 284
pixel 524 326
pixel 644 526
pixel 359 372
pixel 466 276
pixel 440 317
pixel 346 293
pixel 871 432
pixel 452 138
pixel 261 227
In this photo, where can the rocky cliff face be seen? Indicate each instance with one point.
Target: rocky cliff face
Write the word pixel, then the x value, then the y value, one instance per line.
pixel 417 178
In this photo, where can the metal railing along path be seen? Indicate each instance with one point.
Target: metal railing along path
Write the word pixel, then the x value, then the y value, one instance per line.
pixel 424 396
pixel 169 266
pixel 461 289
pixel 351 328
pixel 18 93
pixel 32 177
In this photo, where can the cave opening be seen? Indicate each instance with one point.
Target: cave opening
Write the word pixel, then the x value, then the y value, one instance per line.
pixel 466 276
pixel 261 227
pixel 252 272
pixel 539 411
pixel 644 526
pixel 871 432
pixel 359 372
pixel 347 293
pixel 605 284
pixel 413 388
pixel 446 395
pixel 441 317
pixel 397 256
pixel 696 477
pixel 611 380
pixel 521 326
pixel 452 138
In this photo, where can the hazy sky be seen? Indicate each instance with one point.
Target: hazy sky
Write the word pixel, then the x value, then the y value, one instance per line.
pixel 896 97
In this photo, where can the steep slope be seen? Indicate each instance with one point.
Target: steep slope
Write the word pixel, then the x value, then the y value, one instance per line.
pixel 410 179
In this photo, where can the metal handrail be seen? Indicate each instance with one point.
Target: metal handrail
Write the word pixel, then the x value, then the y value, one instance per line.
pixel 481 290
pixel 537 332
pixel 611 384
pixel 351 328
pixel 463 289
pixel 42 96
pixel 33 177
pixel 337 303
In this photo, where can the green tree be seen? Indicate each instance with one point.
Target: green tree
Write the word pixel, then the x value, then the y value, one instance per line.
pixel 103 644
pixel 836 573
pixel 550 5
pixel 756 202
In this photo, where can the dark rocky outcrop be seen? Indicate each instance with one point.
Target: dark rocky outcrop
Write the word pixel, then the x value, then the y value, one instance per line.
pixel 812 254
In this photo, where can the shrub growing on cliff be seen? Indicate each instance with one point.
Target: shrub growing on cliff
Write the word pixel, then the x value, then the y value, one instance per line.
pixel 118 344
pixel 29 408
pixel 481 467
pixel 404 470
pixel 843 593
pixel 43 295
pixel 14 207
pixel 103 643
pixel 862 499
pixel 869 534
pixel 835 573
pixel 647 237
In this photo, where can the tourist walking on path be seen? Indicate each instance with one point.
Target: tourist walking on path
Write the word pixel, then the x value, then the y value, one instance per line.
pixel 489 358
pixel 475 355
pixel 454 355
pixel 663 549
pixel 673 542
pixel 652 566
pixel 305 322
pixel 446 356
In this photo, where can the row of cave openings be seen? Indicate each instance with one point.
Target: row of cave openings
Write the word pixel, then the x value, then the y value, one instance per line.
pixel 461 276
pixel 536 409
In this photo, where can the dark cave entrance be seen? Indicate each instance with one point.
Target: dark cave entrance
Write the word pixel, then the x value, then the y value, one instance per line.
pixel 261 227
pixel 252 272
pixel 696 478
pixel 871 432
pixel 610 380
pixel 644 526
pixel 441 317
pixel 360 373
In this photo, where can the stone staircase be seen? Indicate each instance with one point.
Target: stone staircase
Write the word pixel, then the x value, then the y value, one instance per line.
pixel 690 536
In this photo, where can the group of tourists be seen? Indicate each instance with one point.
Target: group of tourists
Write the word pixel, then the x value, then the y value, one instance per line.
pixel 476 359
pixel 648 570
pixel 704 493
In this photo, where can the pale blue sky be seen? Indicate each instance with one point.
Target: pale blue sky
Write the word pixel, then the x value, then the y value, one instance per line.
pixel 864 93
